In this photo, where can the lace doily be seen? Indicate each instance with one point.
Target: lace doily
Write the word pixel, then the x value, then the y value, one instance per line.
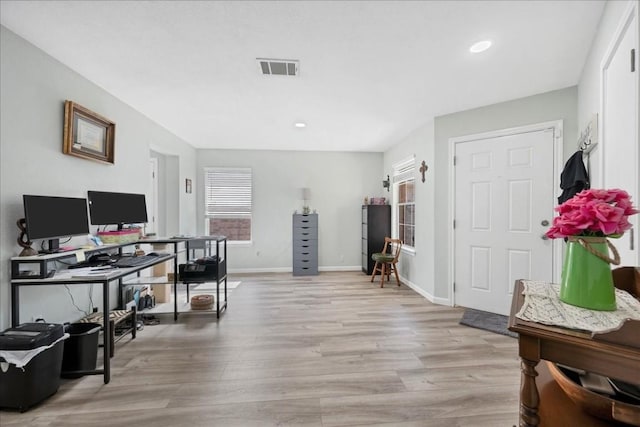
pixel 542 305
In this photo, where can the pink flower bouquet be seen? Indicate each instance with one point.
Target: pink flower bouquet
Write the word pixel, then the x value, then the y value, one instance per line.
pixel 596 213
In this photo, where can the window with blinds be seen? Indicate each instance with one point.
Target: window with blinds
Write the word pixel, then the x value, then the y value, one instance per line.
pixel 405 201
pixel 228 205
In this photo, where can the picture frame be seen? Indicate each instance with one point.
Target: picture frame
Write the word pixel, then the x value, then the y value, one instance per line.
pixel 87 134
pixel 188 187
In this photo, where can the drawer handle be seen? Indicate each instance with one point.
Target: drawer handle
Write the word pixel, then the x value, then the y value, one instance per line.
pixel 305 260
pixel 305 253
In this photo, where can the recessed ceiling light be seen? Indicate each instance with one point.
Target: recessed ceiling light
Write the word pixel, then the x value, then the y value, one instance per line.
pixel 480 46
pixel 300 125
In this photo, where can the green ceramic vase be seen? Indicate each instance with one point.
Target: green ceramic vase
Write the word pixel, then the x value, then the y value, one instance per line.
pixel 586 279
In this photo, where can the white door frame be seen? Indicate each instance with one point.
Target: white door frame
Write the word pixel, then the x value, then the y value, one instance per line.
pixel 153 161
pixel 632 11
pixel 558 142
pixel 627 16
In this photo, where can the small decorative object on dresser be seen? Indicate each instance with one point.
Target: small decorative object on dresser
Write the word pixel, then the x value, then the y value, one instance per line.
pixel 587 220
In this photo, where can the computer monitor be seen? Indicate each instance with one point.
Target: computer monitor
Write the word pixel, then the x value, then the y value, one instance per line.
pixel 108 208
pixel 51 218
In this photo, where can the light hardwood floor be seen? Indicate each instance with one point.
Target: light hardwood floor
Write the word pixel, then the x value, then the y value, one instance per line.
pixel 330 350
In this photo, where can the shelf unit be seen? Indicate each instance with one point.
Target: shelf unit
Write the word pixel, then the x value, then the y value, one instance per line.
pixel 206 244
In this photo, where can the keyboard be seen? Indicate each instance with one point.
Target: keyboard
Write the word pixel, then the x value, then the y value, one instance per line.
pixel 133 261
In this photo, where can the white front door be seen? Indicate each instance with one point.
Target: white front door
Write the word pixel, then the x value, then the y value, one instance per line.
pixel 504 200
pixel 620 126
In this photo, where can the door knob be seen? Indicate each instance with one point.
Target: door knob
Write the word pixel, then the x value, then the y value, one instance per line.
pixel 544 237
pixel 544 222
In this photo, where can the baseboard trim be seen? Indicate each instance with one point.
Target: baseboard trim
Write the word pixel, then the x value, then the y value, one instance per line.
pixel 260 270
pixel 290 269
pixel 341 268
pixel 427 295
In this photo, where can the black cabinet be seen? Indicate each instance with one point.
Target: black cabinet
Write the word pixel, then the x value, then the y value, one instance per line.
pixel 376 225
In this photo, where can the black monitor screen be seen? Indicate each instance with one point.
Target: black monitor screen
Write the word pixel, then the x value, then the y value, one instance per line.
pixel 116 208
pixel 53 217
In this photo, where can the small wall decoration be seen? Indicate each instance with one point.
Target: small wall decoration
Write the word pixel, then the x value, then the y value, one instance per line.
pixel 423 169
pixel 87 134
pixel 188 185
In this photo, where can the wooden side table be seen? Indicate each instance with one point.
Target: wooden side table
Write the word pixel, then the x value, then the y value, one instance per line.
pixel 617 356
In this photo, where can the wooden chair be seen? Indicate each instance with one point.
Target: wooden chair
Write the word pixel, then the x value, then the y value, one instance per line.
pixel 386 262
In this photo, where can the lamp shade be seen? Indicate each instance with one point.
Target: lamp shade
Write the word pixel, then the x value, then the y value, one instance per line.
pixel 306 194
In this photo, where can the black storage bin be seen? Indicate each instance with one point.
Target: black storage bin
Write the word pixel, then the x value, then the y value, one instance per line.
pixel 24 387
pixel 80 349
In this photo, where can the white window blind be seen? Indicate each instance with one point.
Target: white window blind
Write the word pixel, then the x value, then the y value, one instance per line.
pixel 404 170
pixel 228 192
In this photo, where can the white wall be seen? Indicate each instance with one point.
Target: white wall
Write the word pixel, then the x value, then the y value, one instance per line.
pixel 338 183
pixel 556 105
pixel 417 269
pixel 34 87
pixel 589 87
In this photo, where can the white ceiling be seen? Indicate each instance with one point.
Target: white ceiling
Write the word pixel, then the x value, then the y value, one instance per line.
pixel 370 71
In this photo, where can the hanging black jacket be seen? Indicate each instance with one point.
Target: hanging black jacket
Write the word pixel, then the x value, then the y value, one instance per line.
pixel 574 177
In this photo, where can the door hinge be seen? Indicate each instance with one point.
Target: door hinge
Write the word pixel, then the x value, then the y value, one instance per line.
pixel 633 60
pixel 454 224
pixel 454 286
pixel 454 160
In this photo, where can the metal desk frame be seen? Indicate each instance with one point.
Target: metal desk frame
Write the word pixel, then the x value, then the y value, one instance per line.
pixel 104 280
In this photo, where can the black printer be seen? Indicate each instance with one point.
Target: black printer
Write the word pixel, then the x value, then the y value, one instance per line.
pixel 201 270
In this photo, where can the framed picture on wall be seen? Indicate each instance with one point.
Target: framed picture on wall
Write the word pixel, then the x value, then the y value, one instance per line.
pixel 87 134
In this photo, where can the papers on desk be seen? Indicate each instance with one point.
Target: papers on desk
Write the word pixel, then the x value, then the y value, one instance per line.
pixel 86 273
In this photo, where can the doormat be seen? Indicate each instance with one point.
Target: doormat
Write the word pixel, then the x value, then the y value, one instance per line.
pixel 488 321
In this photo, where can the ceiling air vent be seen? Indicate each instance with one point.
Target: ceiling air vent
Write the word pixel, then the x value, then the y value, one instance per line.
pixel 279 67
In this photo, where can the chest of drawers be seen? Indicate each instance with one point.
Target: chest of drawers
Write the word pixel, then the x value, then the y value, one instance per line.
pixel 305 244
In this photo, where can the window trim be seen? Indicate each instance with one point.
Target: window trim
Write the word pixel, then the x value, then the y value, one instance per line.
pixel 403 170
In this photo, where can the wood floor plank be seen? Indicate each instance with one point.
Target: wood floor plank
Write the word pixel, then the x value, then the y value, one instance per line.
pixel 328 350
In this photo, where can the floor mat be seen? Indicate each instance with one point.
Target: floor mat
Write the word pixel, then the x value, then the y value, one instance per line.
pixel 488 321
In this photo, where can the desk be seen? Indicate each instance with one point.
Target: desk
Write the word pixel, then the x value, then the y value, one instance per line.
pixel 565 346
pixel 67 279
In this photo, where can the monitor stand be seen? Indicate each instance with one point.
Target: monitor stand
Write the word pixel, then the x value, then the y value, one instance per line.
pixel 53 247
